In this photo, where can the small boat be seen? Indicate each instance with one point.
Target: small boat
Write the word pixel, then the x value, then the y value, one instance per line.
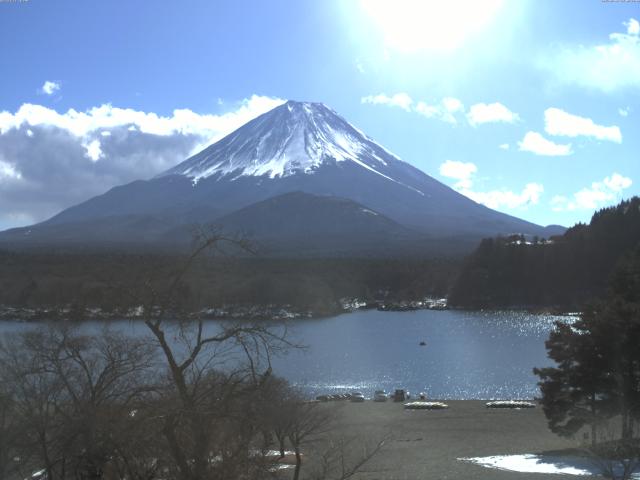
pixel 516 404
pixel 425 406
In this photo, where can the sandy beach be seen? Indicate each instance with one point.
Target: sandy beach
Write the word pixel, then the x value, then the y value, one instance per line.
pixel 428 444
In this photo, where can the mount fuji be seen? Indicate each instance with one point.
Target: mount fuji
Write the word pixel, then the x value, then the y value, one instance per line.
pixel 298 179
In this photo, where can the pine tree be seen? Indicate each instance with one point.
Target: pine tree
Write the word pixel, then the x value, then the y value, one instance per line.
pixel 597 375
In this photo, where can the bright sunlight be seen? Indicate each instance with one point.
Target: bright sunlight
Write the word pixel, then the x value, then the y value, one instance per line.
pixel 434 25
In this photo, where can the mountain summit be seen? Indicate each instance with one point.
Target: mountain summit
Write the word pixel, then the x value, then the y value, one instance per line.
pixel 294 138
pixel 355 187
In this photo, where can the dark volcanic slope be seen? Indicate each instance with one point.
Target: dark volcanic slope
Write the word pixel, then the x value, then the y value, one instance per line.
pixel 294 223
pixel 309 224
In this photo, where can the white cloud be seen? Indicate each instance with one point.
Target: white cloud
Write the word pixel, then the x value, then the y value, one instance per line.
pixel 624 112
pixel 461 171
pixel 504 146
pixel 447 109
pixel 49 88
pixel 530 195
pixel 492 112
pixel 104 117
pixel 464 172
pixel 95 150
pixel 633 26
pixel 401 100
pixel 452 105
pixel 535 143
pixel 560 123
pixel 8 171
pixel 607 67
pixel 616 182
pixel 597 195
pixel 444 110
pixel 426 110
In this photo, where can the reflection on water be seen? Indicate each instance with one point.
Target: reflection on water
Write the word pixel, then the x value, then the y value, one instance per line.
pixel 467 355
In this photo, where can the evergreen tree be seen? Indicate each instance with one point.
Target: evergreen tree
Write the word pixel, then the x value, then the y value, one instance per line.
pixel 598 361
pixel 576 393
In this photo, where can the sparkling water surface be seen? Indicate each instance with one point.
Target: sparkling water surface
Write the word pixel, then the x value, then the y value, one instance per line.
pixel 468 355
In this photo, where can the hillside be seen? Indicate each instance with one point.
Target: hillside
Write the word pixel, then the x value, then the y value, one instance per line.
pixel 564 271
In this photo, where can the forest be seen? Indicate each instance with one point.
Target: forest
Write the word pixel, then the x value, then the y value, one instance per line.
pixel 564 271
pixel 79 282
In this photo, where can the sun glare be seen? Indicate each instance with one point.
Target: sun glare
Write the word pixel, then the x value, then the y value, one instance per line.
pixel 436 25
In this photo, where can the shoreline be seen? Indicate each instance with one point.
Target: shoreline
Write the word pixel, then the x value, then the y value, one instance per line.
pixel 252 313
pixel 232 312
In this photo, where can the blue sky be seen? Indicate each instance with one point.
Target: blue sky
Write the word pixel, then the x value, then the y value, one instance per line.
pixel 530 107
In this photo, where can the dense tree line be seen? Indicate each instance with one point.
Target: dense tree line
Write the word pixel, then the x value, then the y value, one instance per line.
pixel 101 280
pixel 564 271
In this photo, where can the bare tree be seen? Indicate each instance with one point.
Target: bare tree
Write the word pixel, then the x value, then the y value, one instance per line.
pixel 345 457
pixel 277 401
pixel 213 374
pixel 615 458
pixel 9 432
pixel 72 394
pixel 191 400
pixel 308 420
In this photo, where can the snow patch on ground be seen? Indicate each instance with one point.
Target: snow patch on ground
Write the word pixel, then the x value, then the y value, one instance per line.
pixel 529 463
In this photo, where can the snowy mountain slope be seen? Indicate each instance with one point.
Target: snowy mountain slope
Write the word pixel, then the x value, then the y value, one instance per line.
pixel 295 138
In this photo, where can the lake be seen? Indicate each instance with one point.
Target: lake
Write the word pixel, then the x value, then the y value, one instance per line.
pixel 468 355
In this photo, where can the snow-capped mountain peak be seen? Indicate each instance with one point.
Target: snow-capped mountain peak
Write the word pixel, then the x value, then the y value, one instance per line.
pixel 294 138
pixel 297 172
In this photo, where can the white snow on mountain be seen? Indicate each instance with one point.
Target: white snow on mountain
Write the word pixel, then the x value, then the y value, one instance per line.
pixel 294 138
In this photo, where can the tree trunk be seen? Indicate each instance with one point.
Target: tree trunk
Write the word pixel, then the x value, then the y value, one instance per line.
pixel 594 420
pixel 174 448
pixel 296 472
pixel 626 433
pixel 281 440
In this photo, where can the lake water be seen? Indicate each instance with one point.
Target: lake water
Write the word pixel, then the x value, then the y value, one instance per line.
pixel 468 355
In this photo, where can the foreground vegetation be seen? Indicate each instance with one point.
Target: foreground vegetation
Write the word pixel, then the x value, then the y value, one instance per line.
pixel 595 385
pixel 186 401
